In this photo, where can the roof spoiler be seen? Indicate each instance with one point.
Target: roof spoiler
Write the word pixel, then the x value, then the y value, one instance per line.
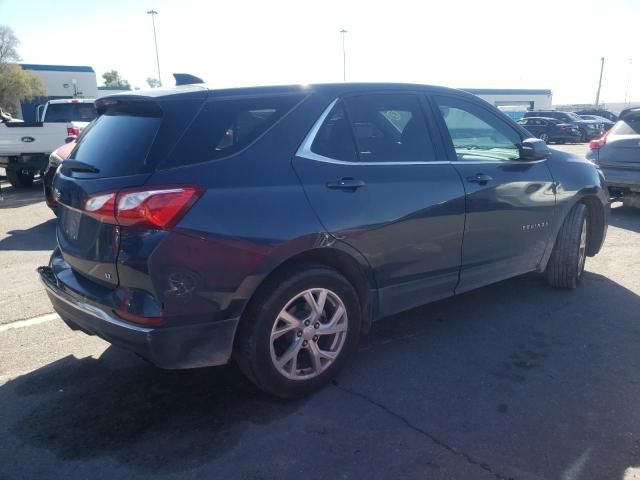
pixel 186 79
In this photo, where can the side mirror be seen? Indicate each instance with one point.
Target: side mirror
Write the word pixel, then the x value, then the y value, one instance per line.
pixel 534 149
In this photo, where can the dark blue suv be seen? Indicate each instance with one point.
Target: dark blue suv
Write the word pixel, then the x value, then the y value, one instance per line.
pixel 274 225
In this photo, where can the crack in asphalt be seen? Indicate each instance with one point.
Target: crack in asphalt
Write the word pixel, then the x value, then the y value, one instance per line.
pixel 472 461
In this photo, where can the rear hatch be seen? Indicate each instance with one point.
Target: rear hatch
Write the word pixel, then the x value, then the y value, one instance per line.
pixel 118 151
pixel 622 143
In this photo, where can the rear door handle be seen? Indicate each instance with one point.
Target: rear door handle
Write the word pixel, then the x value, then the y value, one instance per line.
pixel 346 184
pixel 480 178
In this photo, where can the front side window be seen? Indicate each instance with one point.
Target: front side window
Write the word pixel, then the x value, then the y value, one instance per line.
pixel 389 128
pixel 477 135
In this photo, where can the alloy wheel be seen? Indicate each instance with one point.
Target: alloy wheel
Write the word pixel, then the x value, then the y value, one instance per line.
pixel 308 334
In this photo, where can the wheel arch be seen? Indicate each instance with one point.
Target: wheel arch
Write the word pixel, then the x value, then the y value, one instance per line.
pixel 350 264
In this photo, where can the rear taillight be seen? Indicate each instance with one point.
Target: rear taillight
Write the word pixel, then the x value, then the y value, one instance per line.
pixel 158 208
pixel 73 131
pixel 598 143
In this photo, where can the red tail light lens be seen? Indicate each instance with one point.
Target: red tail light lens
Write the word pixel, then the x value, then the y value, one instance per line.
pixel 159 208
pixel 598 143
pixel 73 131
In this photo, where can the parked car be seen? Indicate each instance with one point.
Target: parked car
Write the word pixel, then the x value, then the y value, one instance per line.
pixel 551 130
pixel 607 124
pixel 25 146
pixel 599 112
pixel 274 224
pixel 55 159
pixel 588 128
pixel 618 155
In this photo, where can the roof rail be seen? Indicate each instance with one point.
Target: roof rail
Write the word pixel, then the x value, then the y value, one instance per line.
pixel 186 79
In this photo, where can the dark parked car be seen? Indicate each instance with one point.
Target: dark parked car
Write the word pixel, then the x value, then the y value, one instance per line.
pixel 618 155
pixel 551 130
pixel 275 224
pixel 607 124
pixel 55 159
pixel 588 129
pixel 599 112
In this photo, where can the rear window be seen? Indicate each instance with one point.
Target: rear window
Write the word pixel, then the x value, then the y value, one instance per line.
pixel 630 126
pixel 117 143
pixel 70 112
pixel 225 127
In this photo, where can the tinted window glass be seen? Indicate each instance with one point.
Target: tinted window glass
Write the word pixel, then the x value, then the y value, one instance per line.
pixel 224 127
pixel 389 128
pixel 117 144
pixel 334 139
pixel 476 134
pixel 70 112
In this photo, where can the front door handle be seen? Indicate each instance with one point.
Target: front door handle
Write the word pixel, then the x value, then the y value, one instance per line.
pixel 480 178
pixel 346 184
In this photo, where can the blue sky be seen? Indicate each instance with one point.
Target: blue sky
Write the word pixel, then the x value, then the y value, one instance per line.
pixel 482 44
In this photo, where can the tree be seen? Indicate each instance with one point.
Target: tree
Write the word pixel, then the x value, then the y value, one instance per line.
pixel 153 82
pixel 16 84
pixel 113 79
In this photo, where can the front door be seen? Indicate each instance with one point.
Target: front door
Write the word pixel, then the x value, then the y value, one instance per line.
pixel 510 204
pixel 376 182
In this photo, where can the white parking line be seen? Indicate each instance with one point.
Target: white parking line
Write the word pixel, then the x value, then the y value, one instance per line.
pixel 29 322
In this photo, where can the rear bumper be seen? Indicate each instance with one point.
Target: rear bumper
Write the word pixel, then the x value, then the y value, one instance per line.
pixel 188 346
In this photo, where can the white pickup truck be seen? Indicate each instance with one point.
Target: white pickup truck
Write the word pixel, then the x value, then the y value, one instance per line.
pixel 25 146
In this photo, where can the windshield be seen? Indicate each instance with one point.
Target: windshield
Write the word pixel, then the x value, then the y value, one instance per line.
pixel 573 116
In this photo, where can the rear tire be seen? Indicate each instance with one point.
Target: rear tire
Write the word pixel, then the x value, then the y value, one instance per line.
pixel 566 265
pixel 284 342
pixel 18 179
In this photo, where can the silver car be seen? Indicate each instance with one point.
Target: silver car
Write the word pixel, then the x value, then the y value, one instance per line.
pixel 618 154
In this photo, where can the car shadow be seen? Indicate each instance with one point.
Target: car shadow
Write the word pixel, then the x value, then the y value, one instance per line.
pixel 40 237
pixel 118 405
pixel 11 197
pixel 516 376
pixel 625 217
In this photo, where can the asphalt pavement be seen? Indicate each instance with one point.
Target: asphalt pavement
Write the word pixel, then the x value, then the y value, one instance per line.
pixel 515 380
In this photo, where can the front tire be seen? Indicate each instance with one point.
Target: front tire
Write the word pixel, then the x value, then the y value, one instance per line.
pixel 544 137
pixel 299 330
pixel 566 265
pixel 18 179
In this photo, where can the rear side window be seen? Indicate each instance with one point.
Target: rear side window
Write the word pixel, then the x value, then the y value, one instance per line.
pixel 70 112
pixel 225 127
pixel 389 128
pixel 117 143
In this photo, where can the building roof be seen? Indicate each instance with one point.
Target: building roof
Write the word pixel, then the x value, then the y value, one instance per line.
pixel 56 68
pixel 507 91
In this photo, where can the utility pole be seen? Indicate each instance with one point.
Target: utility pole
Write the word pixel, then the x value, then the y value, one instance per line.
pixel 626 92
pixel 153 14
pixel 600 82
pixel 344 57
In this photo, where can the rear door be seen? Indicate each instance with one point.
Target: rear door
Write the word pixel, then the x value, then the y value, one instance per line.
pixel 379 182
pixel 510 204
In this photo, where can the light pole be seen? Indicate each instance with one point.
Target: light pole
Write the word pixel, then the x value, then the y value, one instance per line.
pixel 626 91
pixel 600 82
pixel 153 14
pixel 344 57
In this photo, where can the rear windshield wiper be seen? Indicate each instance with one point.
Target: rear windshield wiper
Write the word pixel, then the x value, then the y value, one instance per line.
pixel 78 166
